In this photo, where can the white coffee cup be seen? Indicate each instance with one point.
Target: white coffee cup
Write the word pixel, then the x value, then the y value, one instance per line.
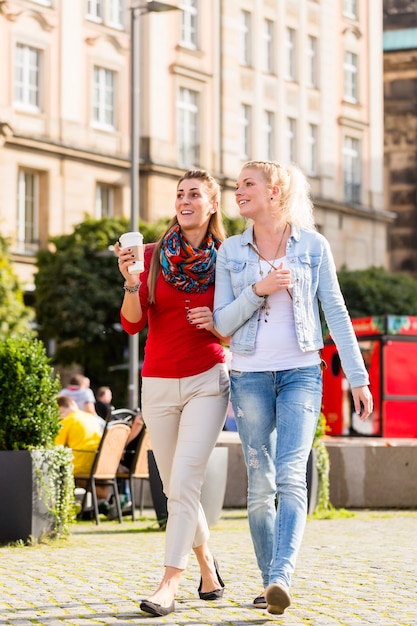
pixel 134 241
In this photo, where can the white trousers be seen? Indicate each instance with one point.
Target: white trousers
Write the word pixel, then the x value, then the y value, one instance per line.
pixel 184 417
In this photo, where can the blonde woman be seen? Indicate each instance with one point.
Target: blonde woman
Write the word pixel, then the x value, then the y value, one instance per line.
pixel 269 282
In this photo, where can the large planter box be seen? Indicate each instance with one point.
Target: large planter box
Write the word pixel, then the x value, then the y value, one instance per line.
pixel 373 472
pixel 212 491
pixel 237 482
pixel 24 514
pixel 313 482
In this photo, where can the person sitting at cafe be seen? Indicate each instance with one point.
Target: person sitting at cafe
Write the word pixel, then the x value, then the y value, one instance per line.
pixel 79 390
pixel 81 432
pixel 103 405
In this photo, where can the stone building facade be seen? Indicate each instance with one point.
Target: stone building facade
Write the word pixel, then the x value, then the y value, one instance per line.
pixel 221 82
pixel 400 128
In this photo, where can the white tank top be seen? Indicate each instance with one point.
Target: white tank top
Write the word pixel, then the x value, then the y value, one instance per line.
pixel 276 345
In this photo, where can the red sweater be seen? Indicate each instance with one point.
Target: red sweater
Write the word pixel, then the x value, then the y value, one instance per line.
pixel 174 347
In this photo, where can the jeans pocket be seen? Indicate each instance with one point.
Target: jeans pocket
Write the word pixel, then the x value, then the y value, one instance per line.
pixel 236 374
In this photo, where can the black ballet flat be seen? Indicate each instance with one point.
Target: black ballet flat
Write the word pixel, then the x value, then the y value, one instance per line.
pixel 157 610
pixel 217 593
pixel 260 602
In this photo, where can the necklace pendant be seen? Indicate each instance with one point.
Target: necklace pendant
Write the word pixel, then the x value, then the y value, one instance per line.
pixel 264 311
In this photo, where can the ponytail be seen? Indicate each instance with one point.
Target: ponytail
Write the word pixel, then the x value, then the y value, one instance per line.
pixel 298 202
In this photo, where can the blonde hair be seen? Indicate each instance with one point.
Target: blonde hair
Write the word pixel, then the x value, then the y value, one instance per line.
pixel 215 225
pixel 294 202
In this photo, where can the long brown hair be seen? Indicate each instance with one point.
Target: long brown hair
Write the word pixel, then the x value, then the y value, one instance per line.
pixel 215 225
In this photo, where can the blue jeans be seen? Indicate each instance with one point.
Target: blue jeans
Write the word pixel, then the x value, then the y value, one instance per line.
pixel 276 415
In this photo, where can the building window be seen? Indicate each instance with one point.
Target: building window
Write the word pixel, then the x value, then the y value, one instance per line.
pixel 109 12
pixel 245 132
pixel 312 149
pixel 95 10
pixel 116 13
pixel 189 26
pixel 103 98
pixel 27 77
pixel 351 170
pixel 312 61
pixel 291 139
pixel 269 135
pixel 27 212
pixel 350 8
pixel 290 53
pixel 104 201
pixel 188 128
pixel 268 36
pixel 245 38
pixel 351 77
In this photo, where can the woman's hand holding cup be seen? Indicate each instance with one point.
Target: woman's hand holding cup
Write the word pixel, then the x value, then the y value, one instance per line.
pixel 129 250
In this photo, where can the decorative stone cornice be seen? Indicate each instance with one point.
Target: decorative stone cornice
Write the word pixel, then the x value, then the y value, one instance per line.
pixel 67 151
pixel 93 39
pixel 3 7
pixel 44 23
pixel 354 209
pixel 6 131
pixel 353 30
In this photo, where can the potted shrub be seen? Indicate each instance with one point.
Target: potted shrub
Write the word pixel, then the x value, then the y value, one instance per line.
pixel 36 480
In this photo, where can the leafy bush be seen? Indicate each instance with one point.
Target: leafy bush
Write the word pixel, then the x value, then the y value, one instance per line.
pixel 29 414
pixel 234 225
pixel 323 466
pixel 78 297
pixel 375 291
pixel 55 487
pixel 15 317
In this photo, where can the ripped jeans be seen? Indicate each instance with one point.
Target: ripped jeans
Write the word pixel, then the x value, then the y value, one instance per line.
pixel 276 415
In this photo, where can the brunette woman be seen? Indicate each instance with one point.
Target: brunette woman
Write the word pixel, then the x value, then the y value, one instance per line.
pixel 185 385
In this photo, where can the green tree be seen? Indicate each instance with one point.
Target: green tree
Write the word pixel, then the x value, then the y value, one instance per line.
pixel 234 225
pixel 375 291
pixel 15 317
pixel 79 293
pixel 78 297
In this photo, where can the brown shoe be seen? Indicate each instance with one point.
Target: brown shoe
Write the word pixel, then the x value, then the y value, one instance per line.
pixel 278 598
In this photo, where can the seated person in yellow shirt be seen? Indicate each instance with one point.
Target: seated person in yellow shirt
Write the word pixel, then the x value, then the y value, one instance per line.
pixel 81 432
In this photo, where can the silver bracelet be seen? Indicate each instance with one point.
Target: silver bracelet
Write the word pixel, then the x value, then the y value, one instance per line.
pixel 133 289
pixel 257 295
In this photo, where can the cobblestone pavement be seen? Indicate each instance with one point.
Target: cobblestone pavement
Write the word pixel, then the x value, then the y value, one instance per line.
pixel 351 571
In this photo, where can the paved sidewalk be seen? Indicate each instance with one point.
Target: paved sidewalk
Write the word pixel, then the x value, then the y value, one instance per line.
pixel 351 572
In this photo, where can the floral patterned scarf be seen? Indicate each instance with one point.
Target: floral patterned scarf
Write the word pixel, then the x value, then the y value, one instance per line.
pixel 187 268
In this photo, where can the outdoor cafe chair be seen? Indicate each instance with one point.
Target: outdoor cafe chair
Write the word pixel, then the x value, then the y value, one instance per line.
pixel 139 469
pixel 124 415
pixel 105 465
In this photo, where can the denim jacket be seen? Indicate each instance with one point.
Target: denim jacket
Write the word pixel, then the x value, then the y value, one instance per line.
pixel 314 279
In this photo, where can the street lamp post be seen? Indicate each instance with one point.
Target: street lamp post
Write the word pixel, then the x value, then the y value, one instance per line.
pixel 136 10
